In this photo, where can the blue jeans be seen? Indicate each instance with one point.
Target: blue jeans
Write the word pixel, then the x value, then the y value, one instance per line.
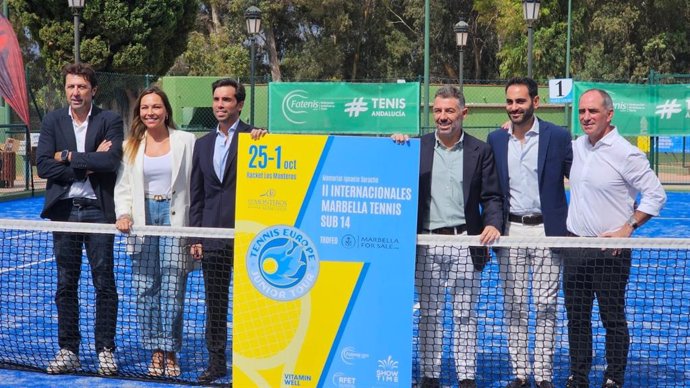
pixel 159 277
pixel 68 256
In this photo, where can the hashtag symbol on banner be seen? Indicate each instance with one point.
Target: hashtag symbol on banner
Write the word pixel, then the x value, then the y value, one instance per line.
pixel 667 109
pixel 356 107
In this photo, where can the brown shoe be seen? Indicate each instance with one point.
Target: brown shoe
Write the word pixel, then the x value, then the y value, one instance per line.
pixel 156 367
pixel 172 368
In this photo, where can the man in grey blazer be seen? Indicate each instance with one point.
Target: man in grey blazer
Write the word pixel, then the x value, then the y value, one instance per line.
pixel 79 152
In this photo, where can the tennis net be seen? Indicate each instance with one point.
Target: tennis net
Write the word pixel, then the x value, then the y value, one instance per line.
pixel 521 319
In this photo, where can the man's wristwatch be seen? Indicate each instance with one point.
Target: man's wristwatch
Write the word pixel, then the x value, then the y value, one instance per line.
pixel 633 222
pixel 64 156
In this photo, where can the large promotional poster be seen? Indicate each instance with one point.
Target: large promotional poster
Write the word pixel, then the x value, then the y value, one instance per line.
pixel 324 261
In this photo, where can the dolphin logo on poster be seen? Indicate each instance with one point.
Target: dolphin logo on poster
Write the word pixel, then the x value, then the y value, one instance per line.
pixel 282 263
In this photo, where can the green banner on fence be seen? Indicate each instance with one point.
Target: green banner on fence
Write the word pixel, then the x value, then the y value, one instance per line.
pixel 325 107
pixel 646 110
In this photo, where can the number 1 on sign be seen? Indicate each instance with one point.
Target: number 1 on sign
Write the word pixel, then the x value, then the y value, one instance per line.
pixel 561 90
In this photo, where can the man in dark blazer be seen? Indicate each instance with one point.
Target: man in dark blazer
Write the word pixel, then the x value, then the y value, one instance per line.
pixel 533 158
pixel 213 187
pixel 79 152
pixel 458 195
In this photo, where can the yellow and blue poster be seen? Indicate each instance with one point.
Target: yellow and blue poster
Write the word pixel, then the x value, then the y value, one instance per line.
pixel 324 261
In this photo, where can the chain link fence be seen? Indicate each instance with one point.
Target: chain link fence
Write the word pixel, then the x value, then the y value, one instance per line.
pixel 670 155
pixel 191 100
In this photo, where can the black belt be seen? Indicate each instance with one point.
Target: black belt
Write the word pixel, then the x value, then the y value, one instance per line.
pixel 84 202
pixel 458 229
pixel 530 219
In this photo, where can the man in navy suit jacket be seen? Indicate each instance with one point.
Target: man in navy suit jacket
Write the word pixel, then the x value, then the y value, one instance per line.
pixel 456 176
pixel 533 158
pixel 213 187
pixel 79 152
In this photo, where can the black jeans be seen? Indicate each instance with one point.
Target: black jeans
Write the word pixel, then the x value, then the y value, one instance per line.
pixel 590 273
pixel 217 268
pixel 68 255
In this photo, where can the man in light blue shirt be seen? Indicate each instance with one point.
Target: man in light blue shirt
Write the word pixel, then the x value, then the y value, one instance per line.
pixel 222 147
pixel 213 185
pixel 532 158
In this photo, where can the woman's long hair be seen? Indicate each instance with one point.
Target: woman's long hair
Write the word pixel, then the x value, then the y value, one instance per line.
pixel 138 130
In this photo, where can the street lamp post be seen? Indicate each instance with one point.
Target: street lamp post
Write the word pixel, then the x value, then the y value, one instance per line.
pixel 530 11
pixel 461 29
pixel 76 6
pixel 253 18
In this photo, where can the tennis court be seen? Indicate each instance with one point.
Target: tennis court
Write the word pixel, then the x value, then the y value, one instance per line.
pixel 658 293
pixel 28 278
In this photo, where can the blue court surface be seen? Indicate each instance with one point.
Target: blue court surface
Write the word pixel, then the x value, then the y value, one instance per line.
pixel 659 310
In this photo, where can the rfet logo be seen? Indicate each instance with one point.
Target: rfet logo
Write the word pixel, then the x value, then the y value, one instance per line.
pixel 282 263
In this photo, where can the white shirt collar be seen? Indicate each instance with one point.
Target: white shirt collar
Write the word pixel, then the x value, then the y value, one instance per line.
pixel 534 129
pixel 69 112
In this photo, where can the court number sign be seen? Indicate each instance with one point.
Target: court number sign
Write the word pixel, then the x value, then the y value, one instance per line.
pixel 561 90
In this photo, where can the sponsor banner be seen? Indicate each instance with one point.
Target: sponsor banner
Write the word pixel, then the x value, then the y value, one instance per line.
pixel 346 108
pixel 324 261
pixel 647 110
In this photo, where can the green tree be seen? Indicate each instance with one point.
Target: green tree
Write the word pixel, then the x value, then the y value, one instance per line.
pixel 350 40
pixel 621 40
pixel 136 37
pixel 336 40
pixel 133 37
pixel 626 39
pixel 216 45
pixel 360 39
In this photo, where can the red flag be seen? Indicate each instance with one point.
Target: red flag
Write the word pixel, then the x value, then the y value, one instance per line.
pixel 12 76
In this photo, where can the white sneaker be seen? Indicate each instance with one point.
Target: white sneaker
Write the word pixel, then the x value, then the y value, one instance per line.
pixel 107 366
pixel 65 361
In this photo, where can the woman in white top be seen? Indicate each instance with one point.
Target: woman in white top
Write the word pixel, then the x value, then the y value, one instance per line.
pixel 152 189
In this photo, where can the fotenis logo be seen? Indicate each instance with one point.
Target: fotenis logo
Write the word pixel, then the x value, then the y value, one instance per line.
pixel 297 105
pixel 282 263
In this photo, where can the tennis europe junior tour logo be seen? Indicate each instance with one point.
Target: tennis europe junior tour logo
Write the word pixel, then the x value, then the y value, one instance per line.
pixel 282 263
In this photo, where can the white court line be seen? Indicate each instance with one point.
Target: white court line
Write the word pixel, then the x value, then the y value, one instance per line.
pixel 26 265
pixel 20 236
pixel 83 252
pixel 23 236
